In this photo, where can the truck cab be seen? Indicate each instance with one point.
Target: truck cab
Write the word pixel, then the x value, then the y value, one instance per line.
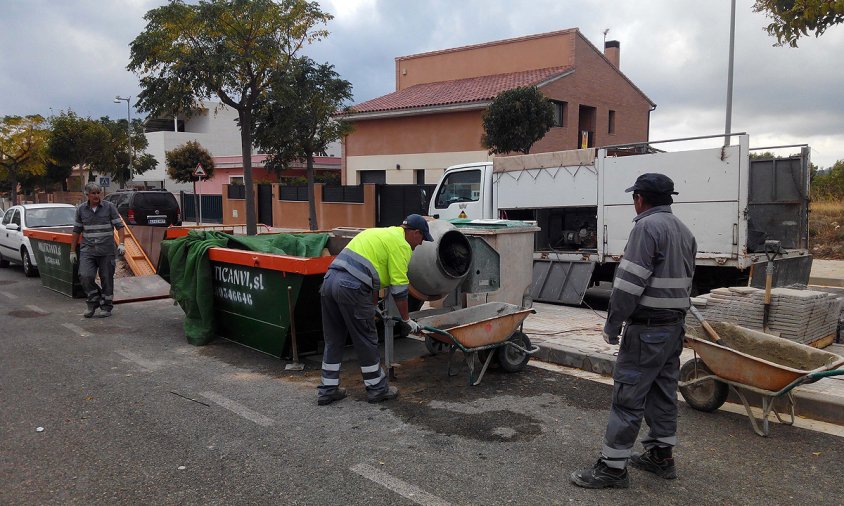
pixel 464 191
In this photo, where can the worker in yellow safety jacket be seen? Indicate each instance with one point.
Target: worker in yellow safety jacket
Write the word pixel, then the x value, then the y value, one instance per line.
pixel 374 259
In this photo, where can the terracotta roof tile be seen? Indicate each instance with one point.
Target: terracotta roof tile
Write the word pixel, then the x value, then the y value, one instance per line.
pixel 460 91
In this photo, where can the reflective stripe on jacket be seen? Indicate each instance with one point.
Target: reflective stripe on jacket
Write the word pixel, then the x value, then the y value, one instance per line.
pixel 656 271
pixel 378 257
pixel 97 228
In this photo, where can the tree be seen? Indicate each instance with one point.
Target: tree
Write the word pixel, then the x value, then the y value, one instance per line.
pixel 796 18
pixel 99 145
pixel 77 141
pixel 182 162
pixel 516 119
pixel 295 121
pixel 23 149
pixel 223 48
pixel 829 184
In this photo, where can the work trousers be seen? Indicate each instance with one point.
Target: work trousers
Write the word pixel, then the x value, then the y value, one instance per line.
pixel 645 375
pixel 348 308
pixel 101 295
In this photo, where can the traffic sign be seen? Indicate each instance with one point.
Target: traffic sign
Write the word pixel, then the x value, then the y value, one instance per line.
pixel 199 172
pixel 105 181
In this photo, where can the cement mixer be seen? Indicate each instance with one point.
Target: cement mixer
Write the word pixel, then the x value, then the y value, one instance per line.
pixel 463 270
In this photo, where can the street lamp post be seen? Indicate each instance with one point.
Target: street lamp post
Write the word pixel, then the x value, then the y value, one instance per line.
pixel 117 100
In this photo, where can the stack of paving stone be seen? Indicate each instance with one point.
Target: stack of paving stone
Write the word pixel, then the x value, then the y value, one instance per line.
pixel 803 316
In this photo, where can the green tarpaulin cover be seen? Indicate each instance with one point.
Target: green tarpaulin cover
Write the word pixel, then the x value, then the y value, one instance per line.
pixel 184 263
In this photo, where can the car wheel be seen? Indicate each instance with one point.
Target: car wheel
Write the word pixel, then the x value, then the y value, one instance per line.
pixel 3 262
pixel 29 270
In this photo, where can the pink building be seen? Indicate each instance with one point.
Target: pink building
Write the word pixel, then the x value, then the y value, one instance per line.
pixel 229 170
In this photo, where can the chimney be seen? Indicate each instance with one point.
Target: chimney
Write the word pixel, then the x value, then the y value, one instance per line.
pixel 612 50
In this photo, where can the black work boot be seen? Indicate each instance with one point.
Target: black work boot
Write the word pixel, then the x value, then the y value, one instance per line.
pixel 336 395
pixel 658 461
pixel 601 476
pixel 387 395
pixel 89 312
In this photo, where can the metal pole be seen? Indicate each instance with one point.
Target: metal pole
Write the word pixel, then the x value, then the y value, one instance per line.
pixel 199 211
pixel 730 74
pixel 117 100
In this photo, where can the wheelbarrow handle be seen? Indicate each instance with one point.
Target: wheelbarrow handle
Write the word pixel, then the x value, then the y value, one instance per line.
pixel 533 348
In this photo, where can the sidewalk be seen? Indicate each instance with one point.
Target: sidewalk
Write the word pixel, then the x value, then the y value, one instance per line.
pixel 577 343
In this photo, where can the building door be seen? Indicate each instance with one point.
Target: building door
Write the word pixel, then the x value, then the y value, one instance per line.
pixel 586 127
pixel 265 204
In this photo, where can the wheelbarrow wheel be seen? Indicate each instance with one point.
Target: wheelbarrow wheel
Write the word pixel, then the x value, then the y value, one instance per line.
pixel 434 346
pixel 707 395
pixel 510 358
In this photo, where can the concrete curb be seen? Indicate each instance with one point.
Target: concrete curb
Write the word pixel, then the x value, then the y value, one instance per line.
pixel 820 281
pixel 811 405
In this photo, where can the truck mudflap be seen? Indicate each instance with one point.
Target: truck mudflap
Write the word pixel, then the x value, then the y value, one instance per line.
pixel 561 281
pixel 788 271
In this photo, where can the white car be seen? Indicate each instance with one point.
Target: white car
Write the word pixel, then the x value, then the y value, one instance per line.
pixel 14 245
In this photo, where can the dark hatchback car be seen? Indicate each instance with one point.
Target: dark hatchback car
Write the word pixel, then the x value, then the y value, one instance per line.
pixel 157 208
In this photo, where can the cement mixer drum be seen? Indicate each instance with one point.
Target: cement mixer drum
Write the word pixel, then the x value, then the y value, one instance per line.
pixel 438 267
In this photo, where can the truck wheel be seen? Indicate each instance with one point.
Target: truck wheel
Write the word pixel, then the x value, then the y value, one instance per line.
pixel 28 269
pixel 512 359
pixel 706 395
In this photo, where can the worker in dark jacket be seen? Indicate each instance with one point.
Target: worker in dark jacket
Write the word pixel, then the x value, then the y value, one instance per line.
pixel 96 220
pixel 375 258
pixel 650 298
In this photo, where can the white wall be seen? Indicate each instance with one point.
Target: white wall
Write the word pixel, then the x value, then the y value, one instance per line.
pixel 214 129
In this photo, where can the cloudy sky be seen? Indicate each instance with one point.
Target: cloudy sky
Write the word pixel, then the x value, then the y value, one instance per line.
pixel 72 54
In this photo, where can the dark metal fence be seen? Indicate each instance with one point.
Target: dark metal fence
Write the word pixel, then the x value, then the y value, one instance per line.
pixel 396 201
pixel 237 191
pixel 297 193
pixel 343 194
pixel 212 207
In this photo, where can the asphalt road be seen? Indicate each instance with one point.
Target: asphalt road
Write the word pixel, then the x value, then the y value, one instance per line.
pixel 132 414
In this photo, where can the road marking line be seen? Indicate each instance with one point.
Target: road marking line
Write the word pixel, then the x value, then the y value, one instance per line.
pixel 398 486
pixel 10 295
pixel 37 309
pixel 238 409
pixel 78 330
pixel 149 365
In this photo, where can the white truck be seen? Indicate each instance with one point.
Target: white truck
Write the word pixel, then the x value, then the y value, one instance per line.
pixel 733 202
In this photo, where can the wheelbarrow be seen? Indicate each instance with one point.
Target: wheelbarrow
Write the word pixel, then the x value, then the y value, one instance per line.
pixel 752 362
pixel 481 333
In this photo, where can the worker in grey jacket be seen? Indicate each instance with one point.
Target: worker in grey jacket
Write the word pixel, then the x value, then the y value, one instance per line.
pixel 96 220
pixel 650 298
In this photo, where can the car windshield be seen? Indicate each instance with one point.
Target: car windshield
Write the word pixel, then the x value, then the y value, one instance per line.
pixel 50 217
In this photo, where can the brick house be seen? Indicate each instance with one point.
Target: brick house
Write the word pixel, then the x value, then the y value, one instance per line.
pixel 434 118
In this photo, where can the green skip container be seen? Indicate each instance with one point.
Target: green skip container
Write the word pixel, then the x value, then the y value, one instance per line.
pixel 52 254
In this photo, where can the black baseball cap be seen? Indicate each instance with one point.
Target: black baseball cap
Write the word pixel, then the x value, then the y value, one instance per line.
pixel 416 222
pixel 653 183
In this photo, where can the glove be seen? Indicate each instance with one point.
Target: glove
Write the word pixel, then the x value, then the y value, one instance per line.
pixel 73 258
pixel 608 338
pixel 121 249
pixel 414 327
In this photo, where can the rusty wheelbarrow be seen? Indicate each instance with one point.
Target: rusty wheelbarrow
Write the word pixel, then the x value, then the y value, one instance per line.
pixel 481 332
pixel 753 362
